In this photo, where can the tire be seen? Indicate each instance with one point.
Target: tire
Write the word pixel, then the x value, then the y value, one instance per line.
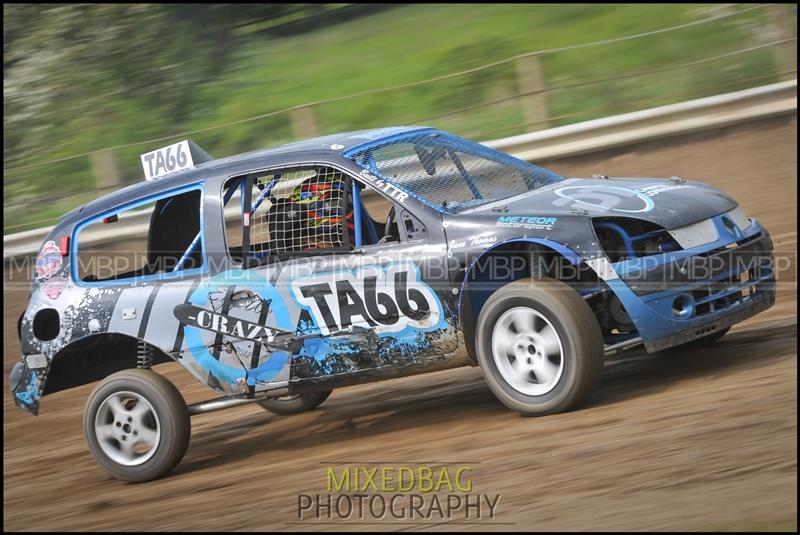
pixel 137 425
pixel 297 403
pixel 703 341
pixel 539 346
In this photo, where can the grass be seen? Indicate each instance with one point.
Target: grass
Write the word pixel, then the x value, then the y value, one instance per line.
pixel 417 42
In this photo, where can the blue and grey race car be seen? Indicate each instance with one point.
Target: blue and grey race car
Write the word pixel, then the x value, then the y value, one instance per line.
pixel 279 275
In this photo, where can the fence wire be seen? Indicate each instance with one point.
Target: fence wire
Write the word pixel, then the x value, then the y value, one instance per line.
pixel 397 87
pixel 731 72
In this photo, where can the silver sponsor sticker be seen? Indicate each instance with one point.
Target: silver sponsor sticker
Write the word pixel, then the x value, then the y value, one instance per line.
pixel 36 361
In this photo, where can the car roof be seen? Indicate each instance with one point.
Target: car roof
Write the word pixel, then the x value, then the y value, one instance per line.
pixel 333 144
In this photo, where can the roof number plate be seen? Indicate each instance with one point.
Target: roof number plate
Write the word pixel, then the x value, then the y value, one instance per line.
pixel 167 160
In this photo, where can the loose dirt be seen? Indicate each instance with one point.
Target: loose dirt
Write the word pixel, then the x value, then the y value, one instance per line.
pixel 687 440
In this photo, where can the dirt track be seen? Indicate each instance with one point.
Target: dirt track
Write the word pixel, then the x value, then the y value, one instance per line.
pixel 676 441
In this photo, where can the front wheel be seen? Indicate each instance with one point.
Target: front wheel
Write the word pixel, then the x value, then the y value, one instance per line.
pixel 137 425
pixel 539 346
pixel 297 403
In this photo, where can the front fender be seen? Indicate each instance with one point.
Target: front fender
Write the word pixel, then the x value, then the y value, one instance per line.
pixel 469 308
pixel 573 258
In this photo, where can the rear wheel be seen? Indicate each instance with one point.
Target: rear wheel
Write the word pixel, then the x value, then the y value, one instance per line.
pixel 539 346
pixel 137 425
pixel 296 403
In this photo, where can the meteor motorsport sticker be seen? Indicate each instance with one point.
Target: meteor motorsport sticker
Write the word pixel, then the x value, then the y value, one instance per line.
pixel 528 223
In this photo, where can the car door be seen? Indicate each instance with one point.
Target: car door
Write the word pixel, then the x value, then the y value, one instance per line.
pixel 331 294
pixel 383 302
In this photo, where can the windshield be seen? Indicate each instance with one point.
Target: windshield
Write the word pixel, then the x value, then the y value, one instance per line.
pixel 447 172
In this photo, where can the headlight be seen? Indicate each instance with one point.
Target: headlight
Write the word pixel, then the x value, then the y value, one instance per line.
pixel 623 238
pixel 738 217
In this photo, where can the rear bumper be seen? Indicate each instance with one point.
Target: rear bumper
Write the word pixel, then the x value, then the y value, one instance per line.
pixel 26 387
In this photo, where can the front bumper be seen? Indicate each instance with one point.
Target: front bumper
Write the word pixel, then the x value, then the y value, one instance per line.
pixel 749 307
pixel 677 298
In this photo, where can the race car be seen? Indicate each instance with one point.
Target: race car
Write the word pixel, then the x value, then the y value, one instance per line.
pixel 279 275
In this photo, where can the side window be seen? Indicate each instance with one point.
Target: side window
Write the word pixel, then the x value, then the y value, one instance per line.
pixel 384 221
pixel 289 210
pixel 166 240
pixel 374 215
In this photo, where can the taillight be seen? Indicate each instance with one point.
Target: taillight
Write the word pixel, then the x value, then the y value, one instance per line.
pixel 63 245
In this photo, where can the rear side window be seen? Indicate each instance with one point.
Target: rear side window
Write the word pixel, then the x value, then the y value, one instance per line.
pixel 297 209
pixel 160 237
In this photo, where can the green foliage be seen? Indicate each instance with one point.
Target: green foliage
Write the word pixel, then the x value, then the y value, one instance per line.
pixel 84 77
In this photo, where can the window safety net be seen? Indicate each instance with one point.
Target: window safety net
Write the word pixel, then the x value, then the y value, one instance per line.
pixel 297 210
pixel 447 172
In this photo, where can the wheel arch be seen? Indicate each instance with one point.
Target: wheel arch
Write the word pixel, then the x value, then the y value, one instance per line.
pixel 477 286
pixel 93 358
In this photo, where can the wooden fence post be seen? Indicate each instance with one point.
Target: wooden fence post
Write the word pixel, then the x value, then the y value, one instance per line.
pixel 104 169
pixel 304 124
pixel 783 19
pixel 531 80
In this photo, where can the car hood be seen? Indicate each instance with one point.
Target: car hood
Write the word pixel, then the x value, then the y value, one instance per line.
pixel 666 202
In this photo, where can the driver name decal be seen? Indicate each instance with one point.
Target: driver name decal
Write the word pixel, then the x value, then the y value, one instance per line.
pixel 384 299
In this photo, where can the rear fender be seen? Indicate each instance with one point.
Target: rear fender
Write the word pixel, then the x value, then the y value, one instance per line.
pixel 82 361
